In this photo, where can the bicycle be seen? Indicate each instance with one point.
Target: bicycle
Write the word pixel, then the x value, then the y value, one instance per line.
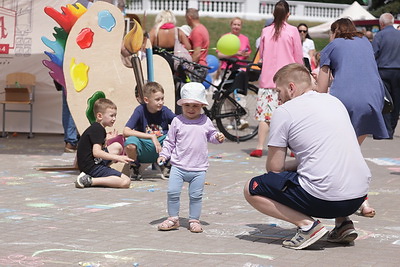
pixel 234 98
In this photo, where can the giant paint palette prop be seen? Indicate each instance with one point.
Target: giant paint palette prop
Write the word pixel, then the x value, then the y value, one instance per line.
pixel 91 62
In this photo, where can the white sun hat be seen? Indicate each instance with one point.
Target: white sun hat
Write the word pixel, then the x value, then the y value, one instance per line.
pixel 193 93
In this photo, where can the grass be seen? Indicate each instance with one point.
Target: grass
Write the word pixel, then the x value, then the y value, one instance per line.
pixel 252 29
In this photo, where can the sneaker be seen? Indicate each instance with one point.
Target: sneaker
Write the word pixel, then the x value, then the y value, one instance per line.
pixel 83 180
pixel 243 125
pixel 303 239
pixel 229 127
pixel 135 172
pixel 345 233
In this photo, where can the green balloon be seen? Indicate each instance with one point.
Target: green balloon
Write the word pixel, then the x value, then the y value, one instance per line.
pixel 229 44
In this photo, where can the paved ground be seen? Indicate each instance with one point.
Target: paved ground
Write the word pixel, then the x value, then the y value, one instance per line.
pixel 45 221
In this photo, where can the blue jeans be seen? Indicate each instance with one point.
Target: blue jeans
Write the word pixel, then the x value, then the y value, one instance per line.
pixel 196 185
pixel 70 132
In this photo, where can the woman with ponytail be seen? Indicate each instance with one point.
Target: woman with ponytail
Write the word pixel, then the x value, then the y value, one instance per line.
pixel 280 45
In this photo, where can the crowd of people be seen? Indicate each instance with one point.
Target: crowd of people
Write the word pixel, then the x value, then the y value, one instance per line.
pixel 337 93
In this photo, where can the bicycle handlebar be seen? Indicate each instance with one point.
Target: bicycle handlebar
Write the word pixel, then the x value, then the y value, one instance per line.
pixel 235 61
pixel 183 60
pixel 230 61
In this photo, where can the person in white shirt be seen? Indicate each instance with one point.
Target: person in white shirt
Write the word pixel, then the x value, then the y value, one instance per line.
pixel 308 44
pixel 329 177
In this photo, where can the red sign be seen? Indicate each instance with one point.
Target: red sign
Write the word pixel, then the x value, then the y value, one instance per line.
pixel 4 49
pixel 7 30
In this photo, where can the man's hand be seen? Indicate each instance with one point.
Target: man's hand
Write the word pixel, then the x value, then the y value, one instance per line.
pixel 112 134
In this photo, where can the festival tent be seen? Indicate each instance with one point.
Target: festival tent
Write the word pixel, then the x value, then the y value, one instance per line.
pixel 22 24
pixel 354 12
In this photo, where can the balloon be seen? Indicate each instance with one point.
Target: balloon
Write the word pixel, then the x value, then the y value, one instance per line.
pixel 228 44
pixel 209 79
pixel 213 63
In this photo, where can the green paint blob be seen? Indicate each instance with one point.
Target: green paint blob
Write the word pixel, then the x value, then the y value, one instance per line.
pixel 90 103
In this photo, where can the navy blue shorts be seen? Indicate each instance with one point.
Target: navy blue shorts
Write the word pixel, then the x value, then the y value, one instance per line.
pixel 284 188
pixel 103 170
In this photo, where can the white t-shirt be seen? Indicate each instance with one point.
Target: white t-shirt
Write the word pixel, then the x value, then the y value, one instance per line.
pixel 308 45
pixel 317 128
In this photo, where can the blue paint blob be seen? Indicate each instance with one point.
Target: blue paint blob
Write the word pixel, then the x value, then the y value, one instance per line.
pixel 106 20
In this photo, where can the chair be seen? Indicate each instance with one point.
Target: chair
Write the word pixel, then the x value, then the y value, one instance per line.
pixel 20 89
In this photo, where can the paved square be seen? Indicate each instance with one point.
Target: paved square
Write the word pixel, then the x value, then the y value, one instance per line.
pixel 46 221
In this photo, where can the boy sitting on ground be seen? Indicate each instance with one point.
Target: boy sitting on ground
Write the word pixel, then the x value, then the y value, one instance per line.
pixel 147 128
pixel 94 157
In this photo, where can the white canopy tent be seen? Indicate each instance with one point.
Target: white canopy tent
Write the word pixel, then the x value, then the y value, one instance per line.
pixel 354 12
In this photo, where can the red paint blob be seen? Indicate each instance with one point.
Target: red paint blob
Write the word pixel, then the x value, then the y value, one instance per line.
pixel 85 38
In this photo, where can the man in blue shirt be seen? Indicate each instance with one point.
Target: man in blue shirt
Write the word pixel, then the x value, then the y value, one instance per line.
pixel 386 45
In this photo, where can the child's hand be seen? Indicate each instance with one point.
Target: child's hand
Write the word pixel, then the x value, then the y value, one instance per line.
pixel 220 137
pixel 124 159
pixel 157 144
pixel 112 134
pixel 161 161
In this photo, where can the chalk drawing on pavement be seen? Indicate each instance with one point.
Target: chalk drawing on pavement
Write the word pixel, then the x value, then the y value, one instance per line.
pixel 261 256
pixel 385 161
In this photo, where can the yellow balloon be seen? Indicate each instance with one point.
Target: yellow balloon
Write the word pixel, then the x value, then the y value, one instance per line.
pixel 229 44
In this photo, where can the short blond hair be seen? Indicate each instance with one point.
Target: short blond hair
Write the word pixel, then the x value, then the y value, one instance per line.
pixel 152 88
pixel 102 104
pixel 295 73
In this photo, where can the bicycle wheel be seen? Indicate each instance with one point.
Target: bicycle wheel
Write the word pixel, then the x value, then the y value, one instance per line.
pixel 235 115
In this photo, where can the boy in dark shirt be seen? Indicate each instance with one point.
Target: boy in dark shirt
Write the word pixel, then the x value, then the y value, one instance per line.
pixel 147 128
pixel 92 155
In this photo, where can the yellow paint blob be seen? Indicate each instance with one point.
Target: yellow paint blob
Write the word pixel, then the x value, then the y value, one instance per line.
pixel 79 75
pixel 77 12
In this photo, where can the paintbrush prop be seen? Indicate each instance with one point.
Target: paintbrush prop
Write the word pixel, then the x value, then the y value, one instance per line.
pixel 133 41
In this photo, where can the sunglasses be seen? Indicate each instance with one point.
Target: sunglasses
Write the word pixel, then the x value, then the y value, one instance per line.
pixel 303 31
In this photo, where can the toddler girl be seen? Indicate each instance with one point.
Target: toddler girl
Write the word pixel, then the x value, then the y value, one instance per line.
pixel 186 147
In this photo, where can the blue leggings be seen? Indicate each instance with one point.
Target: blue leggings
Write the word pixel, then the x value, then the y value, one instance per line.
pixel 196 185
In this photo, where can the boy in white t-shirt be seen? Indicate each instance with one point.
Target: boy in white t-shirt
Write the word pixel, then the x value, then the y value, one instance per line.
pixel 329 177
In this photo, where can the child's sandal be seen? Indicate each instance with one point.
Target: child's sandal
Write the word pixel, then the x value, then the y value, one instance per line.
pixel 169 224
pixel 195 226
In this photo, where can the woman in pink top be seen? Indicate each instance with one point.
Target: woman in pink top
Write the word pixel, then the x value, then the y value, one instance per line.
pixel 280 45
pixel 245 48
